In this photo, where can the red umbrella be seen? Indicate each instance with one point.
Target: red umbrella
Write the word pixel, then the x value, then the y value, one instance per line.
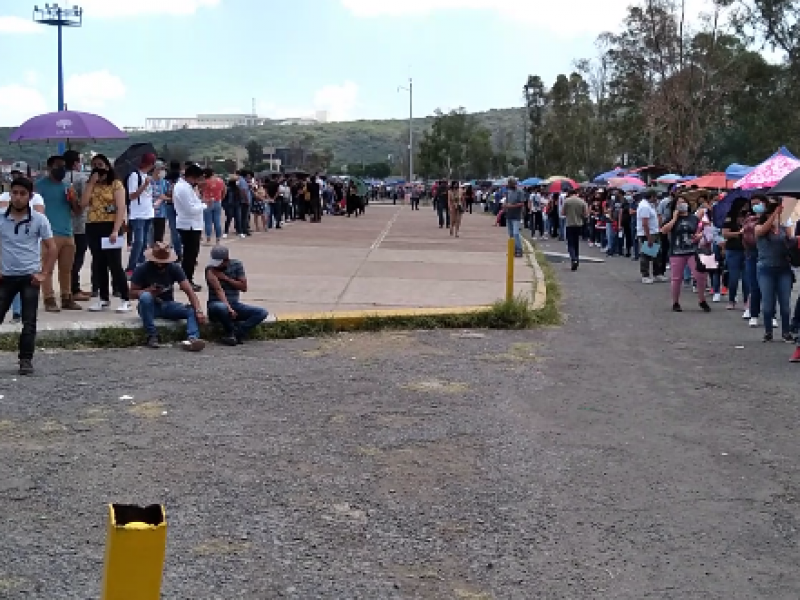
pixel 562 185
pixel 711 180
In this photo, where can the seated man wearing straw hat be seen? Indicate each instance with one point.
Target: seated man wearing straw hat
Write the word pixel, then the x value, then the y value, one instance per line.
pixel 152 285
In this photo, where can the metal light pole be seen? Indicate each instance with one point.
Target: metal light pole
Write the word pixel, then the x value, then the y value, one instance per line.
pixel 410 90
pixel 60 17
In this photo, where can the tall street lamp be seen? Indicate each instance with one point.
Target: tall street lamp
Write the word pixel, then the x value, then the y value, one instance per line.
pixel 410 90
pixel 60 17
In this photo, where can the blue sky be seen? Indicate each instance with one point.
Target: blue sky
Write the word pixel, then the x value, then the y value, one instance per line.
pixel 134 59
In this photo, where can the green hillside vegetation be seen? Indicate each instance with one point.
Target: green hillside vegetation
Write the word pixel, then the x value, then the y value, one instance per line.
pixel 350 142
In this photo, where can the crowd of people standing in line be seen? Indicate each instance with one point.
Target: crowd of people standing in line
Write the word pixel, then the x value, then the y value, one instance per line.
pixel 49 225
pixel 753 254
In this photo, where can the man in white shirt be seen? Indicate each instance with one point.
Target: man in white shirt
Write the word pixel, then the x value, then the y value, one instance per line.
pixel 648 228
pixel 189 220
pixel 140 212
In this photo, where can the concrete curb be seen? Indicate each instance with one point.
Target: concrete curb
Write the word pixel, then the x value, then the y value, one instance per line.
pixel 539 283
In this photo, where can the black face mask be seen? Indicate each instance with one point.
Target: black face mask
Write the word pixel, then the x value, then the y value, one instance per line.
pixel 58 173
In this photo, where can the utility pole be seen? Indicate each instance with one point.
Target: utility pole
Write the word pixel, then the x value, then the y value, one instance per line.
pixel 410 90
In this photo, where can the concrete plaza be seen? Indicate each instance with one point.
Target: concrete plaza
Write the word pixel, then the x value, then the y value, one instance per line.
pixel 391 258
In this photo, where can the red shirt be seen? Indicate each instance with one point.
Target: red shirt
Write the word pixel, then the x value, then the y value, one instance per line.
pixel 214 189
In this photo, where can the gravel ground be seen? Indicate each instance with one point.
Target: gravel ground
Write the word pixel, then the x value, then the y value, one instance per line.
pixel 631 453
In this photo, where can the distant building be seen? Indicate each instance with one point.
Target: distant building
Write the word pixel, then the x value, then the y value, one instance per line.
pixel 222 121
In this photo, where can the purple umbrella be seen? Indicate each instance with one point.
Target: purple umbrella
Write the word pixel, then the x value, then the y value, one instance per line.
pixel 66 126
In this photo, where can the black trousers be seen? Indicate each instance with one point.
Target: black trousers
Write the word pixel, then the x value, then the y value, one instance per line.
pixel 81 246
pixel 10 286
pixel 190 239
pixel 414 203
pixel 105 262
pixel 159 227
pixel 316 209
pixel 444 214
pixel 574 242
pixel 537 223
pixel 244 218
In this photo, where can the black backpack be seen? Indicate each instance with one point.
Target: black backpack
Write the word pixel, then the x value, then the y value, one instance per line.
pixel 123 170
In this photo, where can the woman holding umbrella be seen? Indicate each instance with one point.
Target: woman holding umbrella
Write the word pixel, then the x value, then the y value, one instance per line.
pixel 774 271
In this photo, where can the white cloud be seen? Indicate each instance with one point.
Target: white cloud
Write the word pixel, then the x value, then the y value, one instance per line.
pixel 19 25
pixel 338 100
pixel 568 17
pixel 31 78
pixel 18 103
pixel 87 91
pixel 143 8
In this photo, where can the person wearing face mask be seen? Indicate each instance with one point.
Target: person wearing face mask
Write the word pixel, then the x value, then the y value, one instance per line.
pixel 773 269
pixel 59 206
pixel 734 251
pixel 159 186
pixel 685 232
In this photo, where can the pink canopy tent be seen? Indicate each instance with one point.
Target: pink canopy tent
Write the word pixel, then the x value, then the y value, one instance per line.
pixel 768 173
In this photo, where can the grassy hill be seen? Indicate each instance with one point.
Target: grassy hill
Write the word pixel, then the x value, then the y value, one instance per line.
pixel 351 142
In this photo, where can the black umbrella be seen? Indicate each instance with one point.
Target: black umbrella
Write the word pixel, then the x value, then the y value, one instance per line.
pixel 131 159
pixel 788 186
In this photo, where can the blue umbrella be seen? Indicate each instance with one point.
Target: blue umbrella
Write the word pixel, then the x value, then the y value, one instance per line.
pixel 531 181
pixel 604 177
pixel 632 187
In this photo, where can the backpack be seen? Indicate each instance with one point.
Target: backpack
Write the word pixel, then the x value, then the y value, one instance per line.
pixel 749 232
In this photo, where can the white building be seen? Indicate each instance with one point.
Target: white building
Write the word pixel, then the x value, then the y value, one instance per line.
pixel 222 121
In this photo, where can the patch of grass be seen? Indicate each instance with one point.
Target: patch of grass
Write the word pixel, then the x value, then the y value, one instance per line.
pixel 516 313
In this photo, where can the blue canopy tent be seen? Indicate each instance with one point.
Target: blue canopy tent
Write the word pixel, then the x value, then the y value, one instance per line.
pixel 604 177
pixel 736 171
pixel 531 181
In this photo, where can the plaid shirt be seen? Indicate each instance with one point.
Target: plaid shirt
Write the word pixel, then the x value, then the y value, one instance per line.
pixel 157 188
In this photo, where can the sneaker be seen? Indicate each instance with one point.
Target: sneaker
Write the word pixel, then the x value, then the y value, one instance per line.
pixel 574 266
pixel 746 314
pixel 647 280
pixel 788 338
pixel 676 308
pixel 716 298
pixel 704 305
pixel 124 307
pixel 70 304
pixel 224 236
pixel 660 278
pixel 229 341
pixel 767 337
pixel 99 305
pixel 152 342
pixel 25 366
pixel 731 306
pixel 753 322
pixel 51 306
pixel 796 356
pixel 195 345
pixel 241 235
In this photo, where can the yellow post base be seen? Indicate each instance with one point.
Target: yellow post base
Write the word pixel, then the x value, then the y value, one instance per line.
pixel 135 549
pixel 510 271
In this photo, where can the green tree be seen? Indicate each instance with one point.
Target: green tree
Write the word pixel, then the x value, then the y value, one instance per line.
pixel 536 103
pixel 255 153
pixel 456 146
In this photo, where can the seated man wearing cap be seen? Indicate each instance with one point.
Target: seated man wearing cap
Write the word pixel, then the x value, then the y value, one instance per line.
pixel 226 280
pixel 151 285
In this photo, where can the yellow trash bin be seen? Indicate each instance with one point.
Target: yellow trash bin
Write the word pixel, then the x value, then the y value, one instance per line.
pixel 135 548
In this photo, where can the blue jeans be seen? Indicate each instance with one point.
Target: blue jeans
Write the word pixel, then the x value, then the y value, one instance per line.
pixel 174 236
pixel 775 284
pixel 612 240
pixel 140 228
pixel 635 239
pixel 513 232
pixel 735 261
pixel 247 317
pixel 150 310
pixel 751 275
pixel 212 215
